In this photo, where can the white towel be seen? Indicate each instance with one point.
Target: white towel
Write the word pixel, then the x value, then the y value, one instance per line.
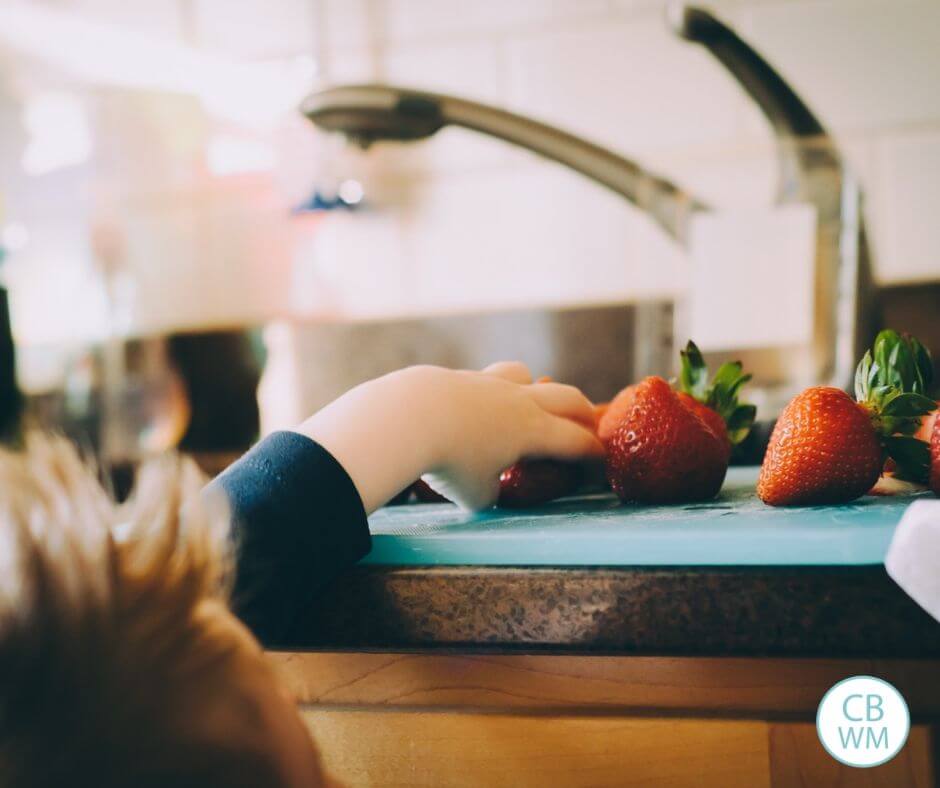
pixel 913 559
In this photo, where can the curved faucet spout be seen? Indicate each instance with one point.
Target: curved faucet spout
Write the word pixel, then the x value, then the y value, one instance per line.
pixel 787 114
pixel 810 170
pixel 370 113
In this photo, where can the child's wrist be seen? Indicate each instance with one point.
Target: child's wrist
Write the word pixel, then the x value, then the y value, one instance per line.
pixel 425 407
pixel 387 432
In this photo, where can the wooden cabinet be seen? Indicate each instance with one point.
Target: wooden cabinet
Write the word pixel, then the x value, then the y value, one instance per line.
pixel 547 720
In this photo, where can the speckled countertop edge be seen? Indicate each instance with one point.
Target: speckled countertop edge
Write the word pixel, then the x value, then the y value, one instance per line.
pixel 702 611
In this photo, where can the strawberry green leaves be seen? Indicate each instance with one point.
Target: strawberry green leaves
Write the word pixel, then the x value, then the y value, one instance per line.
pixel 923 366
pixel 903 362
pixel 911 455
pixel 693 374
pixel 721 395
pixel 740 422
pixel 897 361
pixel 892 381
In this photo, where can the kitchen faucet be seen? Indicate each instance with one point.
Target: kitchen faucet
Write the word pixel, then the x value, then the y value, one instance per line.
pixel 810 171
pixel 366 114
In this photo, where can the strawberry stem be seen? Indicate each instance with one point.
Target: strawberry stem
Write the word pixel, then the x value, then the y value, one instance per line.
pixel 721 394
pixel 891 382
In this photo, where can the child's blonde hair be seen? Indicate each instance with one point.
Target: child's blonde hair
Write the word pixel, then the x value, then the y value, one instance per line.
pixel 110 649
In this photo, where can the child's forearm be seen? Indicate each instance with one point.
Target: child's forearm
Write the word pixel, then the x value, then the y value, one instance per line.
pixel 381 432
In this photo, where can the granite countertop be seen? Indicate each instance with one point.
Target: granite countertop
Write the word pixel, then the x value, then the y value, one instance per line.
pixel 717 611
pixel 724 578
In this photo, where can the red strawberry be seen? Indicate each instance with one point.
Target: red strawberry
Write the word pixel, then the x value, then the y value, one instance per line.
pixel 614 413
pixel 716 400
pixel 534 482
pixel 827 448
pixel 935 457
pixel 526 483
pixel 530 483
pixel 709 416
pixel 662 452
pixel 925 430
pixel 823 450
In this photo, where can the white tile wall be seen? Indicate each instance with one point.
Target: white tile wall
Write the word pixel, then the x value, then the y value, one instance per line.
pixel 157 17
pixel 346 24
pixel 254 28
pixel 861 64
pixel 467 68
pixel 463 221
pixel 208 258
pixel 613 72
pixel 410 20
pixel 908 204
pixel 630 85
pixel 530 235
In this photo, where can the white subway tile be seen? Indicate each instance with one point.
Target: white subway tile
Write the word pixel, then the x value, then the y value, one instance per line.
pixel 255 28
pixel 156 17
pixel 734 175
pixel 348 23
pixel 535 235
pixel 360 264
pixel 905 207
pixel 468 69
pixel 638 6
pixel 349 66
pixel 412 19
pixel 721 7
pixel 527 237
pixel 630 85
pixel 859 64
pixel 219 257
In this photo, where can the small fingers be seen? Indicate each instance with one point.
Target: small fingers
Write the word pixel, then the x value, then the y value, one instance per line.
pixel 481 496
pixel 472 493
pixel 563 439
pixel 566 401
pixel 513 371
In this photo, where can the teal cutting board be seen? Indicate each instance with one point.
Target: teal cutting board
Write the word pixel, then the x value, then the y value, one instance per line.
pixel 735 529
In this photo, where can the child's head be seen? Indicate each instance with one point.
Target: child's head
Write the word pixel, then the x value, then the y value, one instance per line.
pixel 120 663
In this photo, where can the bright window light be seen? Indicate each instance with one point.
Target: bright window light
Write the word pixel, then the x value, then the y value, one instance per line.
pixel 351 192
pixel 14 237
pixel 59 133
pixel 257 94
pixel 227 155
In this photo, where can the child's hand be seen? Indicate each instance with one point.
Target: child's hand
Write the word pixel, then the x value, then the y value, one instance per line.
pixel 461 429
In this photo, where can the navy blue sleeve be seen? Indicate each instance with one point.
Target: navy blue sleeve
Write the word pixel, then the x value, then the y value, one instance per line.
pixel 297 521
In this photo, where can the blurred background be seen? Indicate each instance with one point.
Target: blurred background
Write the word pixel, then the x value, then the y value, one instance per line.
pixel 188 261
